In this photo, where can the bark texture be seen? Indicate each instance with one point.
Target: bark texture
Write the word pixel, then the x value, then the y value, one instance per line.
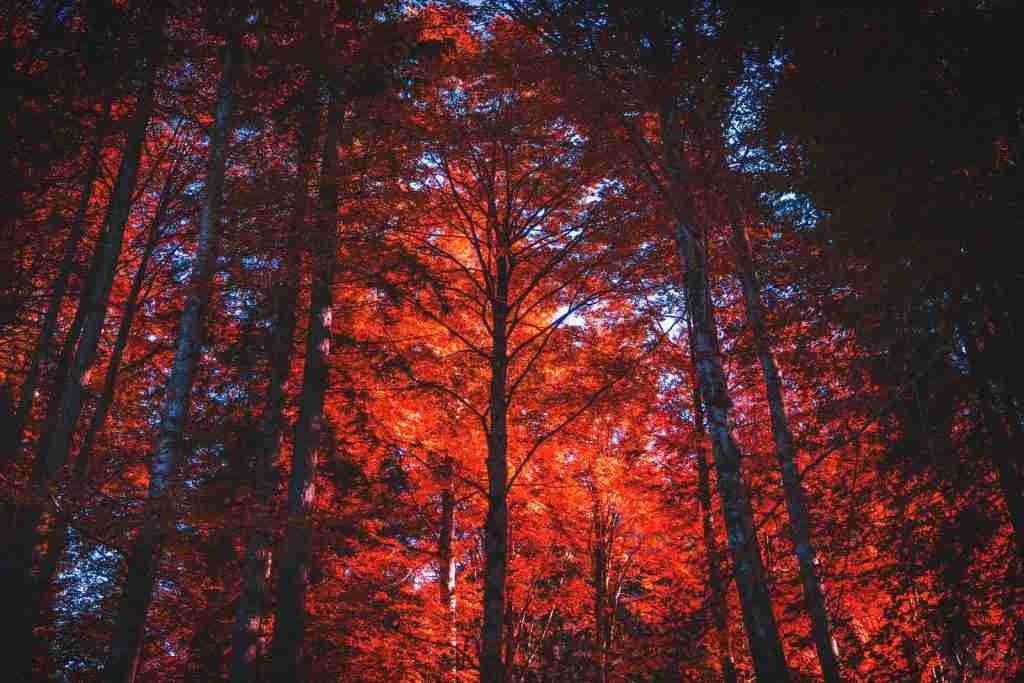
pixel 716 582
pixel 64 409
pixel 748 567
pixel 446 573
pixel 258 557
pixel 286 650
pixel 785 451
pixel 144 560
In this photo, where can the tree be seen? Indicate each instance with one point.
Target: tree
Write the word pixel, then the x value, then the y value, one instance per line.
pixel 517 248
pixel 659 122
pixel 126 642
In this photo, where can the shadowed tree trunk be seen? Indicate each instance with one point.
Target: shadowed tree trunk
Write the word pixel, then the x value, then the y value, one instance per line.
pixel 286 649
pixel 785 451
pixel 56 438
pixel 492 668
pixel 715 581
pixel 603 529
pixel 57 293
pixel 717 585
pixel 144 558
pixel 256 563
pixel 748 568
pixel 55 445
pixel 106 400
pixel 57 539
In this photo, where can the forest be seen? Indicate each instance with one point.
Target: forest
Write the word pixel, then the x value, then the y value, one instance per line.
pixel 511 341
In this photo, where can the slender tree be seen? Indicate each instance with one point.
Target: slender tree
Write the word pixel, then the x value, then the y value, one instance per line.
pixel 58 291
pixel 258 553
pixel 57 538
pixel 785 451
pixel 286 650
pixel 144 560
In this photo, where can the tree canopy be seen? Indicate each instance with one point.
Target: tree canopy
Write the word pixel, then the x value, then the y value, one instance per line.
pixel 510 341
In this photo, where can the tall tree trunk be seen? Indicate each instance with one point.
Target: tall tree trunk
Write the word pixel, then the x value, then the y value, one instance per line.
pixel 719 606
pixel 492 668
pixel 55 441
pixel 785 451
pixel 57 293
pixel 599 571
pixel 446 573
pixel 106 400
pixel 755 600
pixel 256 563
pixel 286 649
pixel 57 538
pixel 55 446
pixel 719 610
pixel 144 558
pixel 717 585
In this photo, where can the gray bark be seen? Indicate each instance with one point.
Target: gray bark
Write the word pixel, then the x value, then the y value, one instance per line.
pixel 256 563
pixel 719 605
pixel 716 583
pixel 492 668
pixel 755 600
pixel 785 451
pixel 446 573
pixel 144 560
pixel 1006 461
pixel 65 408
pixel 57 539
pixel 286 649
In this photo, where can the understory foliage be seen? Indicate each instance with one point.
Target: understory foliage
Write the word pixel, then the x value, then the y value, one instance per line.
pixel 511 341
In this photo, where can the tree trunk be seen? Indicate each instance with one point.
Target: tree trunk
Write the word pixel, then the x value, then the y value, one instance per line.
pixel 446 573
pixel 129 626
pixel 55 441
pixel 718 604
pixel 716 584
pixel 256 563
pixel 755 600
pixel 57 539
pixel 510 638
pixel 758 618
pixel 60 286
pixel 492 668
pixel 599 572
pixel 785 451
pixel 55 446
pixel 286 650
